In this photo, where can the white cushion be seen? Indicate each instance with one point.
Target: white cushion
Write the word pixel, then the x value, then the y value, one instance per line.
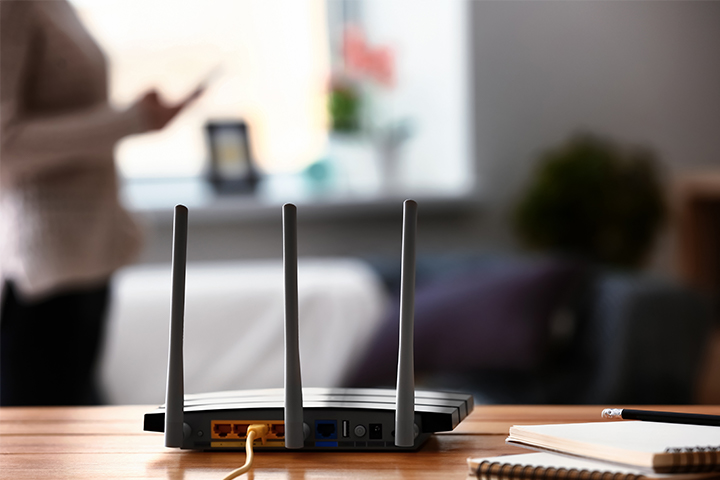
pixel 234 315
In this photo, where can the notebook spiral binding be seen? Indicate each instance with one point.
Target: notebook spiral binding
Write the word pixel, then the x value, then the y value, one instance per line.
pixel 694 459
pixel 509 471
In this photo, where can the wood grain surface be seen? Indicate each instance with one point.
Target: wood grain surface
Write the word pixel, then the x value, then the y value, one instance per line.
pixel 108 442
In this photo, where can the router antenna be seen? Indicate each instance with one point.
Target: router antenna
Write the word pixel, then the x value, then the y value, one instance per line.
pixel 175 390
pixel 405 400
pixel 294 436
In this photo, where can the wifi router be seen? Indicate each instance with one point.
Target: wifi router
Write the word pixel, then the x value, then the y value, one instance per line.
pixel 327 419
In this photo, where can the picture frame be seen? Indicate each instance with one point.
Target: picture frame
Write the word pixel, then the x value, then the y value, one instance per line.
pixel 232 169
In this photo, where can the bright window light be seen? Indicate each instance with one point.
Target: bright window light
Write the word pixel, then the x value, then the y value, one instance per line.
pixel 271 64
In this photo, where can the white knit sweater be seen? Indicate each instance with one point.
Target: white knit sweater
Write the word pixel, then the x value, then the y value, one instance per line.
pixel 61 224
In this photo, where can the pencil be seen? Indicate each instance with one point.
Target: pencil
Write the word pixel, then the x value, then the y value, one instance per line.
pixel 665 417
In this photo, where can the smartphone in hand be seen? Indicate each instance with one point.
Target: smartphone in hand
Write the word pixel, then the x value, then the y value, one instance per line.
pixel 203 85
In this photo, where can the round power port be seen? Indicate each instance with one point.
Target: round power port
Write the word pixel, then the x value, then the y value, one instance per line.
pixel 360 431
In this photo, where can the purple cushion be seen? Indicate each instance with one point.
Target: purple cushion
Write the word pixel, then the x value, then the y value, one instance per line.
pixel 493 318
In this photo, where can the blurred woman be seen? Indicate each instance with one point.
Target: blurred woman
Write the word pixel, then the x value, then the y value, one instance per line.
pixel 63 231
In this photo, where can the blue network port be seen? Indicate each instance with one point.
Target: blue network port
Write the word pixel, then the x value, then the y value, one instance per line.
pixel 326 430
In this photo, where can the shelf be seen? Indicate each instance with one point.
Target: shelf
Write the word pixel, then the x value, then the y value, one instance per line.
pixel 154 200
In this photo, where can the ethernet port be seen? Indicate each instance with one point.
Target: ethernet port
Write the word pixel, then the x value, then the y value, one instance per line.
pixel 240 429
pixel 222 429
pixel 376 431
pixel 325 429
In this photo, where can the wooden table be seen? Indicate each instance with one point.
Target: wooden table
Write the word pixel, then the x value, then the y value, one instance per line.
pixel 108 442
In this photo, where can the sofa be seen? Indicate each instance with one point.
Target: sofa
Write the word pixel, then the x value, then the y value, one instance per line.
pixel 509 329
pixel 541 329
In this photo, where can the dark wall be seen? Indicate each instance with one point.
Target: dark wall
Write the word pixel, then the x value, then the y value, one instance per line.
pixel 640 72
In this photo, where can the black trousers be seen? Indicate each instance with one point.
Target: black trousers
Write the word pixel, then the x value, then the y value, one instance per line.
pixel 49 348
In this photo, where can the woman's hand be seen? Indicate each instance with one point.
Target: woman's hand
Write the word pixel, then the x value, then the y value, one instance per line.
pixel 157 114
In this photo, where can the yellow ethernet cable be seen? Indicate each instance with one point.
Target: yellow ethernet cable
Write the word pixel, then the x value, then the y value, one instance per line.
pixel 253 431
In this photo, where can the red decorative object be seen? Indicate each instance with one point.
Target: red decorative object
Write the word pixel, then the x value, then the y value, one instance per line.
pixel 363 60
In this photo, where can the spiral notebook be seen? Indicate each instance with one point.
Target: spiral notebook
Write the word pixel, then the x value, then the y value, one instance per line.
pixel 657 447
pixel 549 466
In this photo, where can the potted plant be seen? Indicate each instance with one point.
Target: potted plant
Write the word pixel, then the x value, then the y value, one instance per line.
pixel 592 198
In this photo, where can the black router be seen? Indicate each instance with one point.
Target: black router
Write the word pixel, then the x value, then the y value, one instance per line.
pixel 327 419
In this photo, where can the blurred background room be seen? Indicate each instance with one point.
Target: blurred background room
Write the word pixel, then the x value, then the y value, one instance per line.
pixel 564 156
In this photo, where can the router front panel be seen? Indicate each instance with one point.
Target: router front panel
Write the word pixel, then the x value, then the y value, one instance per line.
pixel 336 418
pixel 336 429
